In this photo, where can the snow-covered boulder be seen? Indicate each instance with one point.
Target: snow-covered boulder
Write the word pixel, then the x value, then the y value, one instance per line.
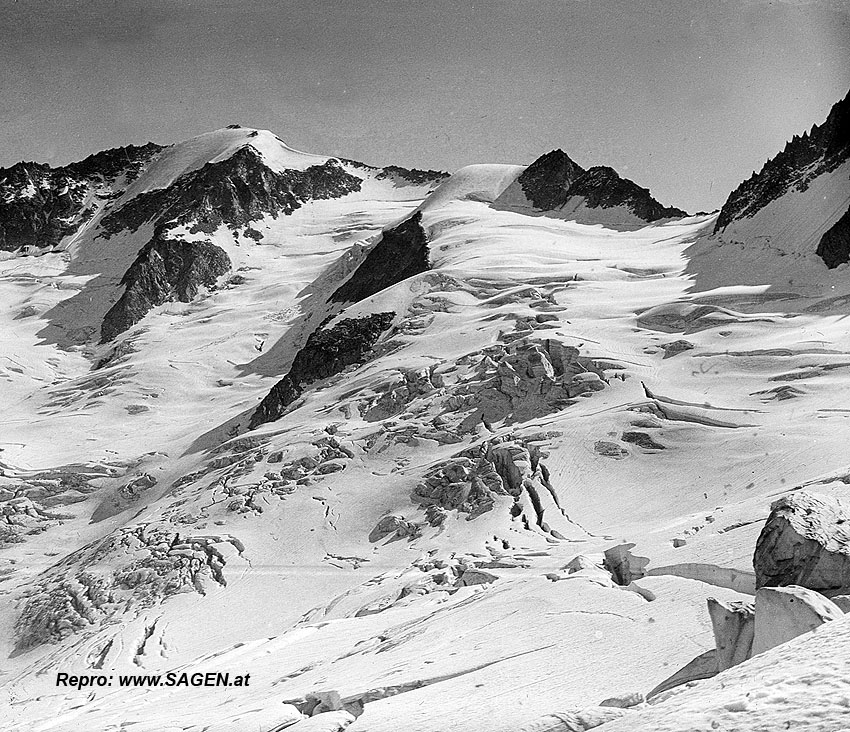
pixel 805 541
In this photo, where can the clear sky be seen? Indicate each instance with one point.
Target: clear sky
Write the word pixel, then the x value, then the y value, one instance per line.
pixel 686 97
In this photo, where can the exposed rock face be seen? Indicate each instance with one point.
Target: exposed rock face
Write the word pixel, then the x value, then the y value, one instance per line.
pixel 805 541
pixel 402 252
pixel 783 613
pixel 412 176
pixel 327 352
pixel 109 164
pixel 234 192
pixel 602 187
pixel 40 205
pixel 400 175
pixel 834 246
pixel 804 158
pixel 165 270
pixel 546 181
pixel 553 179
pixel 733 624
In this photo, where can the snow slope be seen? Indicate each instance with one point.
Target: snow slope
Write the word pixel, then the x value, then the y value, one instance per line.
pixel 777 246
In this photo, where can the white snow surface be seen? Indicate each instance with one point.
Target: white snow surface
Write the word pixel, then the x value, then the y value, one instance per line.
pixel 311 602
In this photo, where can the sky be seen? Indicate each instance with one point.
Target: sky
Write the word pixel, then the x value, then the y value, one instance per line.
pixel 684 97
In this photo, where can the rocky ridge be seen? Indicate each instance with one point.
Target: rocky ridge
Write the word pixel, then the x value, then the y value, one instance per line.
pixel 231 192
pixel 804 158
pixel 399 253
pixel 41 205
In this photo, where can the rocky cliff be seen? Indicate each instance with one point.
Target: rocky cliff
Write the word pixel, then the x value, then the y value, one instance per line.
pixel 166 269
pixel 546 181
pixel 402 252
pixel 834 246
pixel 327 352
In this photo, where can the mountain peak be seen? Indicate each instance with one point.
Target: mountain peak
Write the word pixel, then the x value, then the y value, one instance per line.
pixel 546 179
pixel 556 185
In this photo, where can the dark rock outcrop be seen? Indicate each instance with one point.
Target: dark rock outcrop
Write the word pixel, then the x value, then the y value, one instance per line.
pixel 327 352
pixel 165 270
pixel 235 192
pixel 553 179
pixel 128 161
pixel 834 246
pixel 804 158
pixel 40 205
pixel 399 174
pixel 602 187
pixel 805 541
pixel 402 252
pixel 546 181
pixel 412 176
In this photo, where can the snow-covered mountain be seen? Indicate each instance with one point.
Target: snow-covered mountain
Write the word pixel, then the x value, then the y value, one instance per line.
pixel 554 185
pixel 464 450
pixel 786 226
